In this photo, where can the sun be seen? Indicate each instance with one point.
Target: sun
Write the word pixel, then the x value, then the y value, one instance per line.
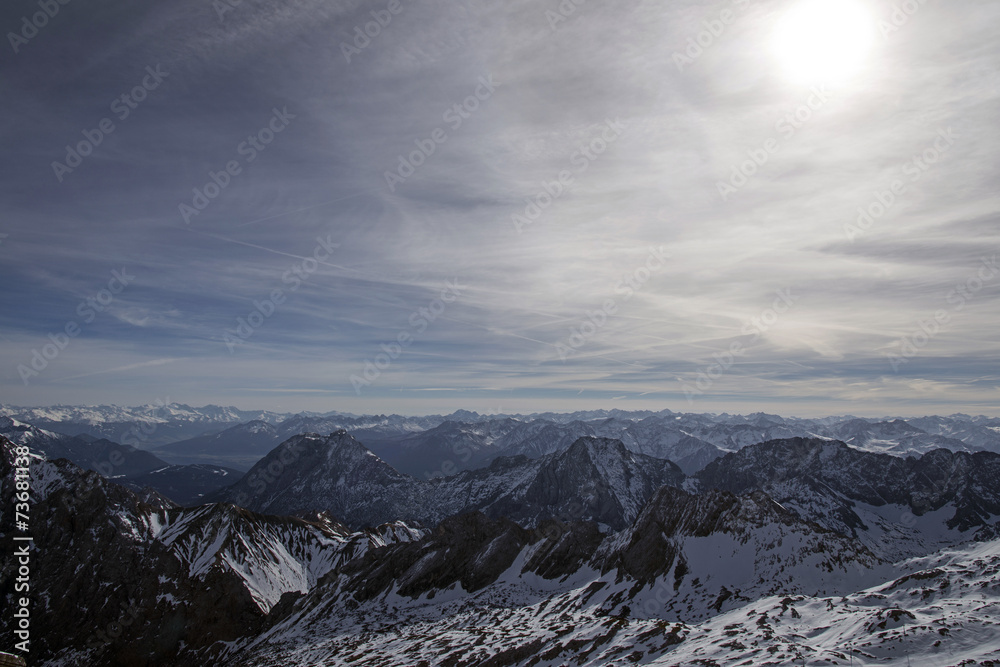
pixel 823 41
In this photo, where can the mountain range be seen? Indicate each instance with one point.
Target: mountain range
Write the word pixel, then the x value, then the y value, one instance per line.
pixel 640 570
pixel 594 479
pixel 138 469
pixel 603 538
pixel 896 507
pixel 437 446
pixel 441 445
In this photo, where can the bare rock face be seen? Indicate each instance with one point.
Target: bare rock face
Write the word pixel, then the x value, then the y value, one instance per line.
pixel 594 530
pixel 102 455
pixel 97 575
pixel 564 547
pixel 470 550
pixel 335 474
pixel 595 479
pixel 825 480
pixel 117 580
pixel 601 475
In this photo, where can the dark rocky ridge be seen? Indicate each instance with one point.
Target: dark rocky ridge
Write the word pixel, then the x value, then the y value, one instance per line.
pixel 133 467
pixel 595 479
pixel 105 590
pixel 84 523
pixel 796 468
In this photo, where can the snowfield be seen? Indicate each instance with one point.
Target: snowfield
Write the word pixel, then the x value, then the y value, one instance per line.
pixel 940 610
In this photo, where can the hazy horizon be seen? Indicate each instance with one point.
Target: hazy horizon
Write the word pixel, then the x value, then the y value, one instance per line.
pixel 503 410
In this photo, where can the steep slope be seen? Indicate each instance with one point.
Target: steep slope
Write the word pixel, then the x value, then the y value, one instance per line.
pixel 897 437
pixel 447 448
pixel 662 437
pixel 106 457
pixel 715 549
pixel 455 446
pixel 335 474
pixel 898 507
pixel 595 479
pixel 942 610
pixel 486 592
pixel 173 582
pixel 712 578
pixel 440 445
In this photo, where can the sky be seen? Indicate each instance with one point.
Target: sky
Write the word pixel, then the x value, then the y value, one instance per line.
pixel 416 207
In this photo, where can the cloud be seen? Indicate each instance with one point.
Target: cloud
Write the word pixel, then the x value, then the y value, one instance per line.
pixel 655 185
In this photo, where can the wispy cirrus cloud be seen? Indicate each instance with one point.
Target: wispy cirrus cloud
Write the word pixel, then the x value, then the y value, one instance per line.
pixel 655 185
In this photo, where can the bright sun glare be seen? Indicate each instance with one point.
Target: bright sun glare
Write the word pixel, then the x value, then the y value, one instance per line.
pixel 823 41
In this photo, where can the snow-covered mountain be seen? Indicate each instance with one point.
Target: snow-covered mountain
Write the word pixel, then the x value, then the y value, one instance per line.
pixel 897 507
pixel 372 426
pixel 594 479
pixel 694 577
pixel 940 610
pixel 159 412
pixel 473 576
pixel 465 440
pixel 690 440
pixel 687 585
pixel 896 437
pixel 244 444
pixel 144 427
pixel 127 465
pixel 181 578
pixel 108 458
